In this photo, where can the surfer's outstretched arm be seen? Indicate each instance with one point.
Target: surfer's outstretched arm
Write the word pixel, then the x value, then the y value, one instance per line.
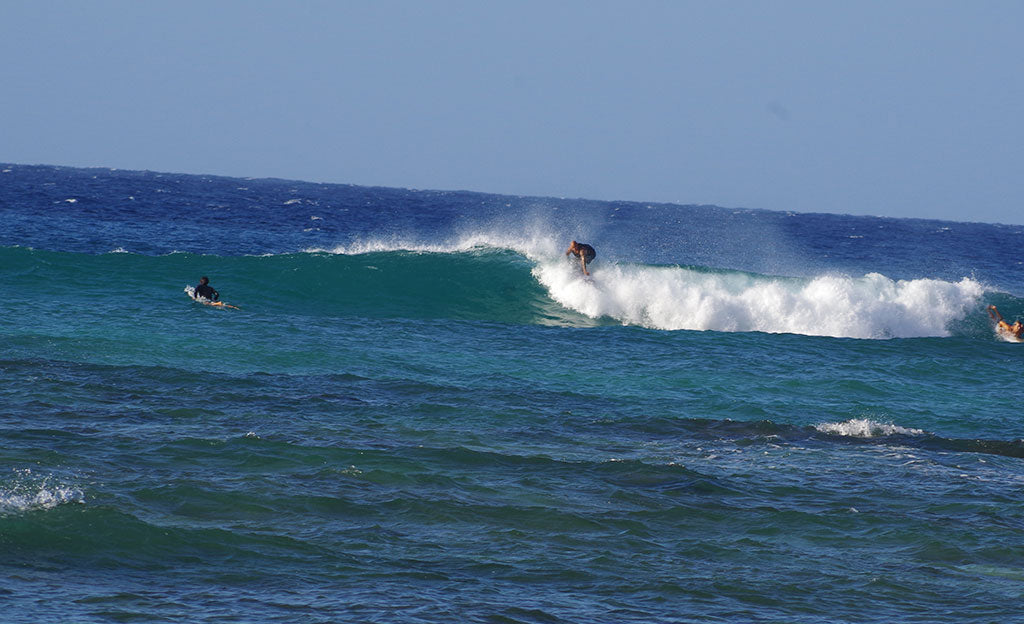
pixel 994 314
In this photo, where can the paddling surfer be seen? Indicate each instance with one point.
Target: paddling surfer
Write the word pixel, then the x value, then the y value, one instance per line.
pixel 584 252
pixel 1014 330
pixel 206 291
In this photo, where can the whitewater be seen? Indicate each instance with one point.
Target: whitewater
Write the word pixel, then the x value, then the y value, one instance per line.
pixel 422 411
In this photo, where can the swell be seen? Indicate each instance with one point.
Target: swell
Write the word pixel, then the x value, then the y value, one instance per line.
pixel 37 511
pixel 149 388
pixel 520 286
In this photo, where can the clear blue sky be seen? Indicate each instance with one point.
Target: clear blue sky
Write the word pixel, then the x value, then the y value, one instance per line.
pixel 898 108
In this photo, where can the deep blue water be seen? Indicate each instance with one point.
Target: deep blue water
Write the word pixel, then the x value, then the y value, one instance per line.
pixel 422 412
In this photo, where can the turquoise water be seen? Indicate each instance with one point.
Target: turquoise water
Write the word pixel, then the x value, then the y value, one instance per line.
pixel 422 413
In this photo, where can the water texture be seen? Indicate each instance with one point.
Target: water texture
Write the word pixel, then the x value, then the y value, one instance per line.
pixel 422 412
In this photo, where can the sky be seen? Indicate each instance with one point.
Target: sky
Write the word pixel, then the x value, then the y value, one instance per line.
pixel 897 108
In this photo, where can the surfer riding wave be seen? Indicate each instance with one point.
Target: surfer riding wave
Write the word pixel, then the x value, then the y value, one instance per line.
pixel 584 252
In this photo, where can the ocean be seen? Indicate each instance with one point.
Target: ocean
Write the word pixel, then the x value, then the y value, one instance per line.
pixel 422 411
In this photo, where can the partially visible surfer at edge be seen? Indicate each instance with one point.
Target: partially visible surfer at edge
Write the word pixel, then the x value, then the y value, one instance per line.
pixel 1015 330
pixel 584 252
pixel 206 291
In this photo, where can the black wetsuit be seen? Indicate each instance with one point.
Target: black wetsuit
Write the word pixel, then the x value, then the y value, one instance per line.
pixel 207 292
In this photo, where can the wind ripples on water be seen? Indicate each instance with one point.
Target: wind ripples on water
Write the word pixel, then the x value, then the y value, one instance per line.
pixel 422 412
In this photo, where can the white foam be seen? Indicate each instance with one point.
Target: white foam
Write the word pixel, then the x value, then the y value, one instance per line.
pixel 29 493
pixel 865 428
pixel 673 298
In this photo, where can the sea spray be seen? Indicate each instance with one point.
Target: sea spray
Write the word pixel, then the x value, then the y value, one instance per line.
pixel 865 428
pixel 23 491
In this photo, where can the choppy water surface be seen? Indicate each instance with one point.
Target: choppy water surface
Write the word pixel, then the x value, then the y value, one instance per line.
pixel 422 412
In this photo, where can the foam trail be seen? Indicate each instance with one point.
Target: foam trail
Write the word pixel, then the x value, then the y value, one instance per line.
pixel 673 298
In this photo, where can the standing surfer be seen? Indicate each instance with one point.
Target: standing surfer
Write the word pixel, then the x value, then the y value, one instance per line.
pixel 584 252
